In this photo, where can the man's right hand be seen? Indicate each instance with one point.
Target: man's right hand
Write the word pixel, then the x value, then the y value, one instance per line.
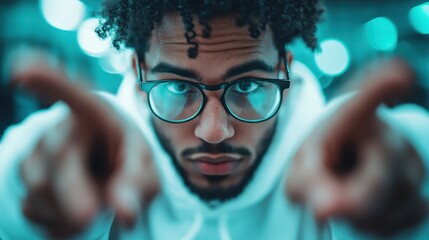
pixel 93 159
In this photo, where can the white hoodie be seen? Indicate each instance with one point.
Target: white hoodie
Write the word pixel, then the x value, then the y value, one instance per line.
pixel 261 212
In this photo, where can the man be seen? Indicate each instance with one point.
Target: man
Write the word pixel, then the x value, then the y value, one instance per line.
pixel 233 137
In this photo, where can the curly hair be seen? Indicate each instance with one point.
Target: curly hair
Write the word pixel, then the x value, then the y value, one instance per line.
pixel 130 22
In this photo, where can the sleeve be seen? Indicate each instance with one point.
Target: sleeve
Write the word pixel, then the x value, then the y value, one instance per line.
pixel 17 143
pixel 413 122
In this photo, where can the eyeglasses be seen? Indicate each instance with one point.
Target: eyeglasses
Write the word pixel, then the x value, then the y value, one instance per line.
pixel 250 100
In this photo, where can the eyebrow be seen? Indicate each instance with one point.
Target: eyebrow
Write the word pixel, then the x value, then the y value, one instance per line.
pixel 253 65
pixel 163 67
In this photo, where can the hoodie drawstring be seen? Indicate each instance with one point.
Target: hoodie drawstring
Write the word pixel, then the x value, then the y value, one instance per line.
pixel 223 229
pixel 198 221
pixel 196 226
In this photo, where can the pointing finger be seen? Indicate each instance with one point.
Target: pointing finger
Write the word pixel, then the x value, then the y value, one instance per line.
pixel 93 115
pixel 386 82
pixel 52 85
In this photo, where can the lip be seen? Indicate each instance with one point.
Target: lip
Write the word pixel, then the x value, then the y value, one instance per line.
pixel 218 166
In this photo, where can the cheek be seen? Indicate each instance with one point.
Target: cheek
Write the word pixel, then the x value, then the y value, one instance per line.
pixel 285 98
pixel 180 135
pixel 251 134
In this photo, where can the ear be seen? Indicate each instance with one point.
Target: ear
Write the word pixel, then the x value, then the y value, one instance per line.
pixel 284 69
pixel 135 62
pixel 289 57
pixel 138 74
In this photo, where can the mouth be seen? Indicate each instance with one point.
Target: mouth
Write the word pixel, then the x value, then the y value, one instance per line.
pixel 213 165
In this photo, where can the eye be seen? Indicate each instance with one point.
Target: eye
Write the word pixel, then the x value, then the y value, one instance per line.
pixel 246 87
pixel 180 88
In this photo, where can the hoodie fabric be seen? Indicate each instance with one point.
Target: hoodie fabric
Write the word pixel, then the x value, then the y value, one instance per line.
pixel 261 211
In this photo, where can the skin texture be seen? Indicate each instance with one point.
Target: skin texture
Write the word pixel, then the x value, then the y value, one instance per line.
pixel 229 46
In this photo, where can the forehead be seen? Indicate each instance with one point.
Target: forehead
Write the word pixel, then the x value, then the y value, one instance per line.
pixel 228 44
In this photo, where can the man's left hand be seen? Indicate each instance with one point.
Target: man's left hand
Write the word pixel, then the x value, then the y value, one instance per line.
pixel 354 166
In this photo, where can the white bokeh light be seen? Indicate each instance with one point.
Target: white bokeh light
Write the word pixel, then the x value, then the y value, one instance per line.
pixel 89 41
pixel 115 62
pixel 334 57
pixel 63 14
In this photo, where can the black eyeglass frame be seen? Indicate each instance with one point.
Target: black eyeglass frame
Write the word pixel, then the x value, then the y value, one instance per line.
pixel 147 86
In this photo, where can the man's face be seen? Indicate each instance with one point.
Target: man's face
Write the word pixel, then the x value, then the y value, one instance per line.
pixel 215 154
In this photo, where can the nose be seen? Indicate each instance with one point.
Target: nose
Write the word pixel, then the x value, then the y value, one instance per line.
pixel 214 123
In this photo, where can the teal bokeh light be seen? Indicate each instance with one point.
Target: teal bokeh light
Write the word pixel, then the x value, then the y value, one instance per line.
pixel 381 34
pixel 419 18
pixel 334 58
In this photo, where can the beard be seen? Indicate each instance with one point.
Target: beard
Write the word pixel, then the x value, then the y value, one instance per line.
pixel 216 193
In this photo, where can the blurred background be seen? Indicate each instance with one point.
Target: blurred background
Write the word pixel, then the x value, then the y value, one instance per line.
pixel 61 33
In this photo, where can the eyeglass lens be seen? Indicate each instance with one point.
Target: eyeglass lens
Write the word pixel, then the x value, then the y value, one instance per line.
pixel 249 100
pixel 252 100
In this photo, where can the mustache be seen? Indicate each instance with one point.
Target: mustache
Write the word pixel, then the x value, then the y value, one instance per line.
pixel 216 149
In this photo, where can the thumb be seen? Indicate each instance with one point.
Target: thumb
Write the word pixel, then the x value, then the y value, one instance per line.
pixel 136 182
